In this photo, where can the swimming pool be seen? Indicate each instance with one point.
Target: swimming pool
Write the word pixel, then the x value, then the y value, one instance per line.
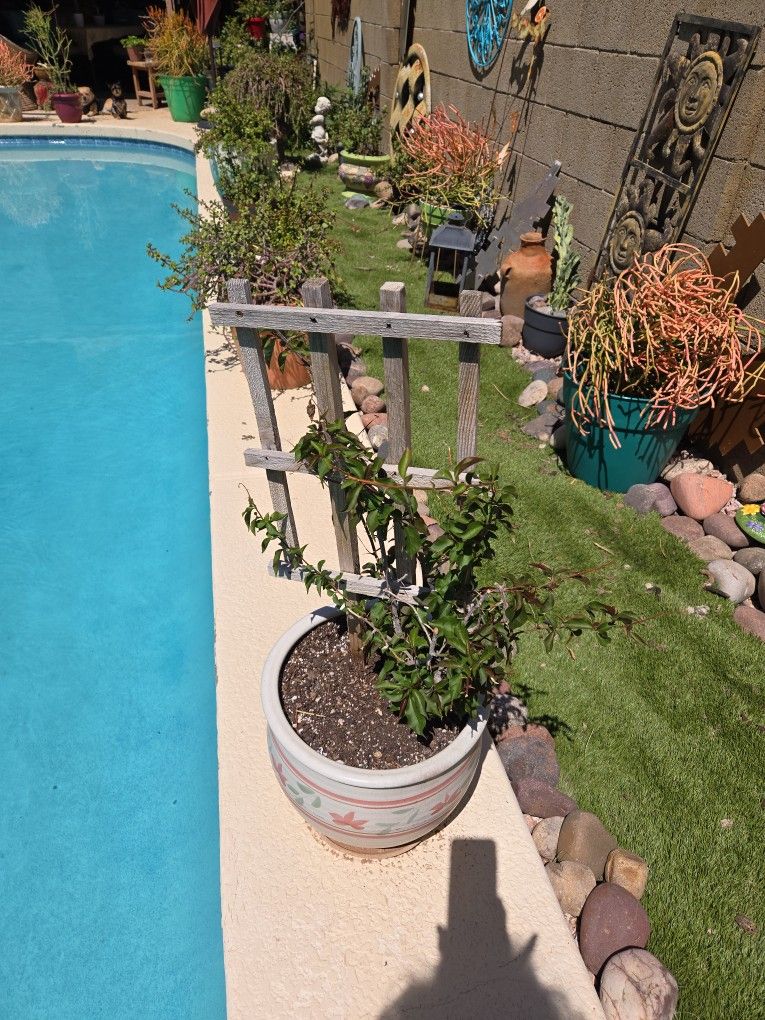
pixel 109 868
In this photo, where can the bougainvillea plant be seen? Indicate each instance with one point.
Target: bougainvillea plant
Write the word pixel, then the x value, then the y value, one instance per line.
pixel 441 652
pixel 665 330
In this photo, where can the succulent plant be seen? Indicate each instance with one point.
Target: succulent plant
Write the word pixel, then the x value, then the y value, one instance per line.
pixel 566 258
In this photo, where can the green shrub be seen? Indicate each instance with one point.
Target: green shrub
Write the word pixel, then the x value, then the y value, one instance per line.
pixel 279 85
pixel 352 122
pixel 285 238
pixel 235 42
pixel 239 141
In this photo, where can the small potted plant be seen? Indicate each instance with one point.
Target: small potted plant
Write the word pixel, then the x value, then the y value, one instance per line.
pixel 136 47
pixel 645 351
pixel 14 72
pixel 356 126
pixel 376 740
pixel 545 319
pixel 254 14
pixel 180 54
pixel 53 46
pixel 449 165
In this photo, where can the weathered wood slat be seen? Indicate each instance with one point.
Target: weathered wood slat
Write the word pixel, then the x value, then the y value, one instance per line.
pixel 396 374
pixel 284 460
pixel 469 376
pixel 325 370
pixel 256 374
pixel 356 584
pixel 347 320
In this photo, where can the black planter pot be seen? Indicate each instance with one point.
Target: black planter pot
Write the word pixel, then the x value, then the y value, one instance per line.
pixel 544 333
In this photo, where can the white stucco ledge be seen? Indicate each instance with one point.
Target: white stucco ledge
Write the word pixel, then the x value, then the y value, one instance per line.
pixel 466 925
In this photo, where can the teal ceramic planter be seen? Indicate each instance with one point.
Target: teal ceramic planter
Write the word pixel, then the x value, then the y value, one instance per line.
pixel 643 454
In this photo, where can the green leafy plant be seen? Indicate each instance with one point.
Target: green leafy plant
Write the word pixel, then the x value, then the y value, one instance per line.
pixel 353 122
pixel 179 49
pixel 239 141
pixel 446 161
pixel 246 9
pixel 234 42
pixel 133 41
pixel 665 330
pixel 440 654
pixel 285 238
pixel 566 259
pixel 280 85
pixel 53 46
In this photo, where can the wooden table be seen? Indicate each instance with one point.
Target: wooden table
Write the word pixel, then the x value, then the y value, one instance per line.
pixel 153 92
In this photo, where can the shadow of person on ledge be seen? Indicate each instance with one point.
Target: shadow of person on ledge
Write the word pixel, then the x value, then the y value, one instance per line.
pixel 481 974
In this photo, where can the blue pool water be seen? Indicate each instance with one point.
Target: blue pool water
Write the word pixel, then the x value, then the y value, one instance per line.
pixel 109 875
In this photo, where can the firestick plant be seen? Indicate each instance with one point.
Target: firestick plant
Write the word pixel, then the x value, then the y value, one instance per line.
pixel 440 653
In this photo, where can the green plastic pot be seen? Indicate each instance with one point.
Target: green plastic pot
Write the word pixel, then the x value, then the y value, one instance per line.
pixel 185 96
pixel 434 215
pixel 643 454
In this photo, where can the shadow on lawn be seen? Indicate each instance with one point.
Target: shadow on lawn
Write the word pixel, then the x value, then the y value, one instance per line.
pixel 481 974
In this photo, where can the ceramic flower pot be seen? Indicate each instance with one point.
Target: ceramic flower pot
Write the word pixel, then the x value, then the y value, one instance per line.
pixel 137 53
pixel 185 96
pixel 643 453
pixel 434 216
pixel 365 809
pixel 525 272
pixel 68 107
pixel 258 28
pixel 544 330
pixel 361 173
pixel 10 104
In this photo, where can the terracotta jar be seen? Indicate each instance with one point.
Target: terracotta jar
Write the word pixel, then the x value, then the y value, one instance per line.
pixel 525 272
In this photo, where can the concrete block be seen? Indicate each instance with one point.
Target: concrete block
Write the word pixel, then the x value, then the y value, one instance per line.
pixel 746 121
pixel 718 199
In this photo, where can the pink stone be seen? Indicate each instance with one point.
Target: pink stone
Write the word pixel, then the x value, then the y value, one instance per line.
pixel 684 528
pixel 368 420
pixel 636 986
pixel 700 496
pixel 372 405
pixel 612 920
pixel 536 797
pixel 751 620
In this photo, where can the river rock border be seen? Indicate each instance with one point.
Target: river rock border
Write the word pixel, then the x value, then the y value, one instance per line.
pixel 696 502
pixel 597 883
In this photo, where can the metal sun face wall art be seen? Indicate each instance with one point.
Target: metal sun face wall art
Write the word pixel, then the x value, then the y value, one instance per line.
pixel 486 22
pixel 702 66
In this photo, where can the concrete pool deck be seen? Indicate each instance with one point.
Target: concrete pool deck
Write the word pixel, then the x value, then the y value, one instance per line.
pixel 466 924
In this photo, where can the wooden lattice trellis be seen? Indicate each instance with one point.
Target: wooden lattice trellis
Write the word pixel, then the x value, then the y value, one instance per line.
pixel 320 320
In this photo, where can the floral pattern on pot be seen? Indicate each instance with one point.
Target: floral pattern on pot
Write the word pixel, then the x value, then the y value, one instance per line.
pixel 368 809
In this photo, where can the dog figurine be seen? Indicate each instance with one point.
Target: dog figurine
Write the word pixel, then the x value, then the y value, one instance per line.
pixel 119 103
pixel 88 100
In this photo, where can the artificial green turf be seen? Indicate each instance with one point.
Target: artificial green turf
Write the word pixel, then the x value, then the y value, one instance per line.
pixel 662 741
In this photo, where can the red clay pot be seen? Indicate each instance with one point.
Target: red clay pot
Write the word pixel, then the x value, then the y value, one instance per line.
pixel 257 28
pixel 68 107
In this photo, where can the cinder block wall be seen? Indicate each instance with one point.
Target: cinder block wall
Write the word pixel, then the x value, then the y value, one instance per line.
pixel 597 71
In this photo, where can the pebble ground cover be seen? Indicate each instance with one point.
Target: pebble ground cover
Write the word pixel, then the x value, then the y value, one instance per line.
pixel 665 742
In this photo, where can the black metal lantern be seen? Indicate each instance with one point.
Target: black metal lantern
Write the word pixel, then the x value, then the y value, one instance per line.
pixel 451 250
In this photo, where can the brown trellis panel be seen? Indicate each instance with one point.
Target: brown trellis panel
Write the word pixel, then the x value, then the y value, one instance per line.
pixel 321 320
pixel 699 76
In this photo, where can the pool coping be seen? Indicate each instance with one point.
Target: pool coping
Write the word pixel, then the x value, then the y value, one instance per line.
pixel 306 928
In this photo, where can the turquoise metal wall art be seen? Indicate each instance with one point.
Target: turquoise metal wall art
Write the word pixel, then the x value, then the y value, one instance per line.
pixel 486 22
